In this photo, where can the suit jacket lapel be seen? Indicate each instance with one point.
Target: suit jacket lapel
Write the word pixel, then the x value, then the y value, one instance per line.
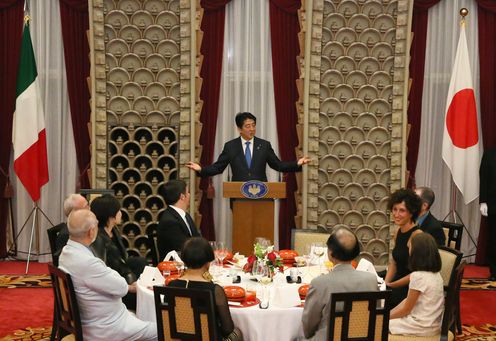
pixel 257 146
pixel 179 219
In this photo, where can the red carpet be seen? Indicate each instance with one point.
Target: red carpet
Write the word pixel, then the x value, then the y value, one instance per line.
pixel 476 271
pixel 36 308
pixel 25 307
pixel 17 267
pixel 478 306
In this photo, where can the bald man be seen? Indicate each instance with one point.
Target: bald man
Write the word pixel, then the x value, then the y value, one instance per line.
pixel 342 248
pixel 71 203
pixel 99 289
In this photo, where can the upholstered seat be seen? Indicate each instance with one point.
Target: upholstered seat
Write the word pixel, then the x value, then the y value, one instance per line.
pixel 363 316
pixel 185 314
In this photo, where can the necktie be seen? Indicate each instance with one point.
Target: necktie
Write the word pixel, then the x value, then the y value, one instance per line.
pixel 248 154
pixel 190 224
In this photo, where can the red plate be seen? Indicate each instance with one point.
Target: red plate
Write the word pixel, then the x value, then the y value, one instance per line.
pixel 245 304
pixel 303 290
pixel 234 292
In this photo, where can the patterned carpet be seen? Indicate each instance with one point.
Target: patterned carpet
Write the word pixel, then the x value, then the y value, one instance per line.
pixel 29 333
pixel 485 332
pixel 25 281
pixel 478 284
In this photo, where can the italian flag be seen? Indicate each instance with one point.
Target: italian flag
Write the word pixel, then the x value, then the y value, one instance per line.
pixel 28 130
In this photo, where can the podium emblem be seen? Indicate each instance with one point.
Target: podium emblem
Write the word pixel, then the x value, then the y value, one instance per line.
pixel 254 189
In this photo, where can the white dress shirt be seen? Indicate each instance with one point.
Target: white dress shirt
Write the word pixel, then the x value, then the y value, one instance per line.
pixel 183 217
pixel 99 291
pixel 243 145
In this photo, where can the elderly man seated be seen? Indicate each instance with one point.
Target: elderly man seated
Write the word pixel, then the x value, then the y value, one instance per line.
pixel 99 289
pixel 342 248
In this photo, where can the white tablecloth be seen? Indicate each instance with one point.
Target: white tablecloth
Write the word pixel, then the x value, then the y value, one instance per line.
pixel 274 323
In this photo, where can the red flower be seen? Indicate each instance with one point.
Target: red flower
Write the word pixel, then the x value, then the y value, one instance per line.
pixel 252 259
pixel 248 267
pixel 272 257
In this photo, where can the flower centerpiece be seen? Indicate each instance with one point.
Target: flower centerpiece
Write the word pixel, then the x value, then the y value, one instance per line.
pixel 266 255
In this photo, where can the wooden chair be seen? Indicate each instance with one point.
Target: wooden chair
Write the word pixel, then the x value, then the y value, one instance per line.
pixel 359 316
pixel 53 233
pixel 185 314
pixel 302 237
pixel 450 316
pixel 66 321
pixel 453 233
pixel 450 259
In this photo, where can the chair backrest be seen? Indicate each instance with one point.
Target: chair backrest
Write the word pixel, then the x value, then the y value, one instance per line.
pixel 152 244
pixel 450 259
pixel 185 314
pixel 359 316
pixel 67 309
pixel 53 232
pixel 302 237
pixel 453 233
pixel 451 302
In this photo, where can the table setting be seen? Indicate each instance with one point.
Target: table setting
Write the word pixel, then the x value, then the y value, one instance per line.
pixel 265 291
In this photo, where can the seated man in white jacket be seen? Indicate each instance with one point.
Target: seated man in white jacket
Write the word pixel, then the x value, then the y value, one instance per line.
pixel 99 289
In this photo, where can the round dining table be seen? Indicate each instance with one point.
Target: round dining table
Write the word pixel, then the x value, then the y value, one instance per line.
pixel 256 324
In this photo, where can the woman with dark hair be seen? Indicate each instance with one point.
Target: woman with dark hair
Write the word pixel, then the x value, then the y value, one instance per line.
pixel 421 312
pixel 197 255
pixel 109 247
pixel 405 206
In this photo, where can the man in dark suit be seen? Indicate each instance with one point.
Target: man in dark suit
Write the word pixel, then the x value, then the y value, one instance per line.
pixel 72 203
pixel 247 155
pixel 175 225
pixel 426 221
pixel 487 200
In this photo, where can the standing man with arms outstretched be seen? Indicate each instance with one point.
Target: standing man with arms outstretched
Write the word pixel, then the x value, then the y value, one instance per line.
pixel 247 155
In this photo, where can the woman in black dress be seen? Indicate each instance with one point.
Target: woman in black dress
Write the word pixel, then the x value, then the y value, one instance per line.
pixel 197 255
pixel 404 205
pixel 109 247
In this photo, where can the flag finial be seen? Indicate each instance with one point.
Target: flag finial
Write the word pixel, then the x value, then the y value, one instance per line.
pixel 463 12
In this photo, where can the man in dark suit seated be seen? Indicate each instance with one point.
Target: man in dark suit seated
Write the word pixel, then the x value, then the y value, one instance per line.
pixel 247 155
pixel 426 221
pixel 175 225
pixel 72 203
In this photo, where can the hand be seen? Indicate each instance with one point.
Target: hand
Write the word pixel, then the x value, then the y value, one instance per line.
pixel 303 161
pixel 194 166
pixel 483 209
pixel 131 288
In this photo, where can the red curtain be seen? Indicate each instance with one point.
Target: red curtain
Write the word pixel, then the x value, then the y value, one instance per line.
pixel 75 23
pixel 284 29
pixel 11 22
pixel 417 64
pixel 212 48
pixel 487 57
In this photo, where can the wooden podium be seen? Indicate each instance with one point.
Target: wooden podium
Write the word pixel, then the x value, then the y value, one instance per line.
pixel 252 217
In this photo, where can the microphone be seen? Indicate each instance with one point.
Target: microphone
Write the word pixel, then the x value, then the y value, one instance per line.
pixel 229 173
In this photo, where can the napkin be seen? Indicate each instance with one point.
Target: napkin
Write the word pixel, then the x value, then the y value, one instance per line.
pixel 151 276
pixel 285 296
pixel 367 266
pixel 172 255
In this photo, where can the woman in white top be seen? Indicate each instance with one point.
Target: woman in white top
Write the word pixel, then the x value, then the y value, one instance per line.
pixel 421 312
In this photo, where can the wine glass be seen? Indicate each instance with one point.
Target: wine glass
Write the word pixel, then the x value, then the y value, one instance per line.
pixel 220 253
pixel 262 273
pixel 318 250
